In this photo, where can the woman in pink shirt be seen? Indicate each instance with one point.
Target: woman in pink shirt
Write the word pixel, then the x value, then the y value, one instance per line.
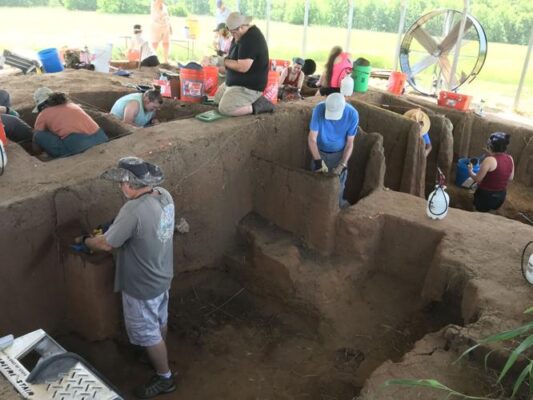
pixel 62 128
pixel 495 172
pixel 338 66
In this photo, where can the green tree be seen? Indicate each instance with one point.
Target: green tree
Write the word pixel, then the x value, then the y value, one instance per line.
pixel 124 6
pixel 89 5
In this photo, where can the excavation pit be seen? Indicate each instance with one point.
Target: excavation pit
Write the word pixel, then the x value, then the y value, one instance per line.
pixel 229 342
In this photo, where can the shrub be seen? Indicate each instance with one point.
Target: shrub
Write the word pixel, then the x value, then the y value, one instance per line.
pixel 178 10
pixel 24 3
pixel 124 6
pixel 89 5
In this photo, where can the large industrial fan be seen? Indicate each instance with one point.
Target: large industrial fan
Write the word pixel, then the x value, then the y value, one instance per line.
pixel 428 49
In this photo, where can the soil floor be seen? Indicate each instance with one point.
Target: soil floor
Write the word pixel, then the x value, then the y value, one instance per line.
pixel 228 343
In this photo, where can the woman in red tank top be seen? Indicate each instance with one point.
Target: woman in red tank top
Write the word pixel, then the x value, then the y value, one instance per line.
pixel 291 80
pixel 495 172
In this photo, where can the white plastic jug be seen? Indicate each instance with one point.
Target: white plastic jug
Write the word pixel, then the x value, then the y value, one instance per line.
pixel 101 57
pixel 438 203
pixel 3 158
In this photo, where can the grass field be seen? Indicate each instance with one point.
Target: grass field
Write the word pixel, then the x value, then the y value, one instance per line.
pixel 37 28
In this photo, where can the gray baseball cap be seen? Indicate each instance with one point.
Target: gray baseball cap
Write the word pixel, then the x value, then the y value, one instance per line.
pixel 135 170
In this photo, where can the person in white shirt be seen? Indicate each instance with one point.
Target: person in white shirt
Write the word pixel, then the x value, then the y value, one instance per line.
pixel 222 12
pixel 161 29
pixel 140 49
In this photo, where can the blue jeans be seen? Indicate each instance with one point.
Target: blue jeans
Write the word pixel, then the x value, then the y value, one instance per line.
pixel 73 144
pixel 332 160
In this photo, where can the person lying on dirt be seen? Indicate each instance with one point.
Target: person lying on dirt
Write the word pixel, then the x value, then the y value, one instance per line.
pixel 142 235
pixel 417 115
pixel 292 80
pixel 246 70
pixel 62 128
pixel 332 131
pixel 139 109
pixel 5 104
pixel 495 172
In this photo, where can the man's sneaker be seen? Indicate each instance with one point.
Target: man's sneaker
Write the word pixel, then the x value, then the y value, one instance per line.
pixel 156 386
pixel 262 105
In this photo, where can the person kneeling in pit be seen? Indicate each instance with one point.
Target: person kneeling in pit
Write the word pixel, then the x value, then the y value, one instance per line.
pixel 246 70
pixel 333 128
pixel 495 172
pixel 416 114
pixel 142 237
pixel 138 109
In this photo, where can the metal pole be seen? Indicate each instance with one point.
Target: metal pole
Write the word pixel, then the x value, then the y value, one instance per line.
pixel 350 20
pixel 458 44
pixel 306 23
pixel 524 73
pixel 268 8
pixel 400 33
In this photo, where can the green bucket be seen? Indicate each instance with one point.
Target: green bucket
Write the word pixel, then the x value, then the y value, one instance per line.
pixel 361 75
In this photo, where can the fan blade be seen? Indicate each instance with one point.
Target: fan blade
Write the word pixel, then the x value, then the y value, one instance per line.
pixel 450 40
pixel 425 39
pixel 446 70
pixel 423 64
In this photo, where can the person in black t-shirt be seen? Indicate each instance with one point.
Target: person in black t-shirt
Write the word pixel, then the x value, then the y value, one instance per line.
pixel 246 70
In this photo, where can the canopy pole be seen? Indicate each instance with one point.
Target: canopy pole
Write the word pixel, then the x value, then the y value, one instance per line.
pixel 350 20
pixel 524 73
pixel 466 10
pixel 268 8
pixel 400 33
pixel 306 23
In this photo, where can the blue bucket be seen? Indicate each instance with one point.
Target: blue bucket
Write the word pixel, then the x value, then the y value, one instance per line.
pixel 51 61
pixel 461 174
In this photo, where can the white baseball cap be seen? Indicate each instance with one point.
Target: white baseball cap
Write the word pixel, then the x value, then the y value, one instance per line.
pixel 335 104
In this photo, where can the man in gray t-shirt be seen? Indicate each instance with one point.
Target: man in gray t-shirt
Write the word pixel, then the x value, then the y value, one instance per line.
pixel 142 235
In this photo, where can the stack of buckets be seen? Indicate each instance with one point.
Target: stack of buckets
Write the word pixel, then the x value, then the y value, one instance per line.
pixel 197 83
pixel 50 60
pixel 272 87
pixel 361 74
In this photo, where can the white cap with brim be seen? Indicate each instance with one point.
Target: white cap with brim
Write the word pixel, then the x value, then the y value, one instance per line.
pixel 40 96
pixel 335 104
pixel 236 19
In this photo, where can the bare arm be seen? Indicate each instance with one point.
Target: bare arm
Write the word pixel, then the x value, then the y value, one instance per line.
pixel 301 81
pixel 283 76
pixel 427 149
pixel 241 66
pixel 98 243
pixel 348 149
pixel 488 164
pixel 130 112
pixel 511 177
pixel 313 147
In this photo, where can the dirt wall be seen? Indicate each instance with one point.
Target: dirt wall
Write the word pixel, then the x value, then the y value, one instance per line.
pixel 470 132
pixel 403 149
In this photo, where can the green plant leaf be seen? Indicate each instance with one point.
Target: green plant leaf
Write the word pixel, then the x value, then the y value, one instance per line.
pixel 526 344
pixel 487 358
pixel 520 379
pixel 428 383
pixel 529 310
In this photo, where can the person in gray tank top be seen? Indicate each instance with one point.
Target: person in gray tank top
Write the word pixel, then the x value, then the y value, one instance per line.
pixel 142 235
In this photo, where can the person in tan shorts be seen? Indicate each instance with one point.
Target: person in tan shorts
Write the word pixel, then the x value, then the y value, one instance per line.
pixel 160 27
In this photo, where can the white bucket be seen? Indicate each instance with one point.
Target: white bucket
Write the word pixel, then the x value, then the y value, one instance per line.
pixel 101 57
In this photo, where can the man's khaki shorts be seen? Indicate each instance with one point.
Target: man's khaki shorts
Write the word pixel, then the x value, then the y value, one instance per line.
pixel 231 98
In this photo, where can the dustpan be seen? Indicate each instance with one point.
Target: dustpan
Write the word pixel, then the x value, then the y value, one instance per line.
pixel 209 116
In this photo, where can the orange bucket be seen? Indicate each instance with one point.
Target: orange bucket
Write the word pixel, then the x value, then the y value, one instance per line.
pixel 278 65
pixel 3 137
pixel 192 85
pixel 133 55
pixel 396 82
pixel 271 89
pixel 210 80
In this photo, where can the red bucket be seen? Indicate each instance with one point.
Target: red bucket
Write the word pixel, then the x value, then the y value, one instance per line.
pixel 278 65
pixel 210 80
pixel 271 90
pixel 192 85
pixel 396 82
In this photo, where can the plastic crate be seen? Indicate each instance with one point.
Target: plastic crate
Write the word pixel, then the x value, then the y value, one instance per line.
pixel 454 100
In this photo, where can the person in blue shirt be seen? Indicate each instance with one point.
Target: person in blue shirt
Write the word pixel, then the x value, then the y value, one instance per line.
pixel 416 114
pixel 332 131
